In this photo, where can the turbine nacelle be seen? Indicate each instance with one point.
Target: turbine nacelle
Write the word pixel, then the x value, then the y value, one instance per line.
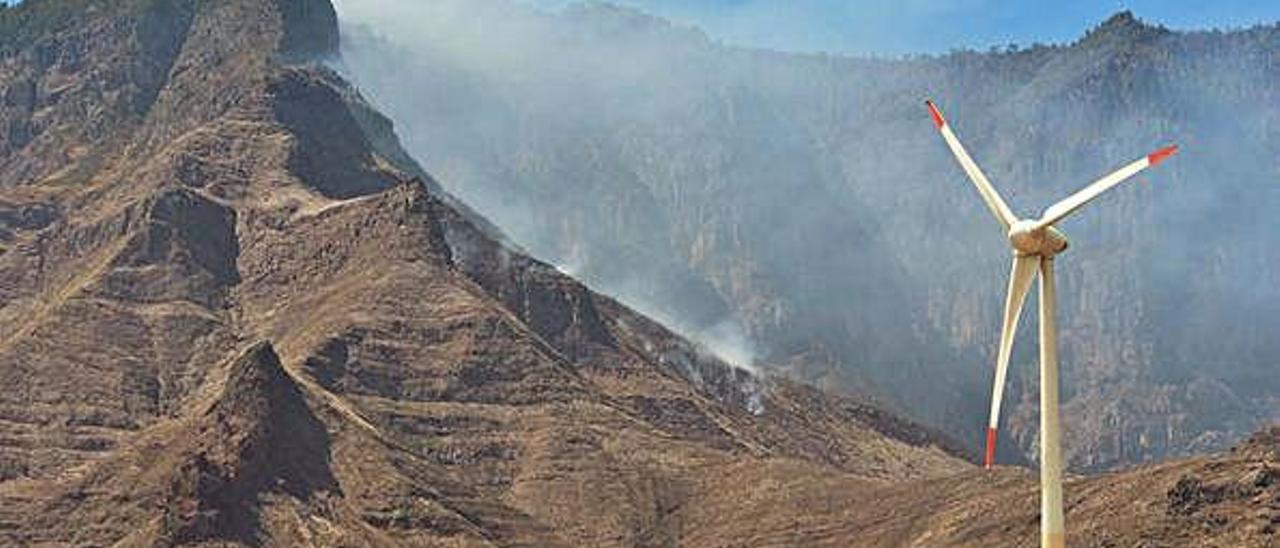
pixel 1027 238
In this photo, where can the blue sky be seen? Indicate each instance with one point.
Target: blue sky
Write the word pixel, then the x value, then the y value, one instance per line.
pixel 895 27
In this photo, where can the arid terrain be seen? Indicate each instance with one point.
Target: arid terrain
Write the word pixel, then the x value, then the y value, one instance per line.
pixel 803 199
pixel 235 312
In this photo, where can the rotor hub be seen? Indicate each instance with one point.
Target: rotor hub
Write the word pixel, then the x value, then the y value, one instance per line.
pixel 1026 239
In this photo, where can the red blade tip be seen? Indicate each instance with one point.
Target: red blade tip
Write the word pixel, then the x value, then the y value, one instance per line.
pixel 991 448
pixel 1160 155
pixel 937 116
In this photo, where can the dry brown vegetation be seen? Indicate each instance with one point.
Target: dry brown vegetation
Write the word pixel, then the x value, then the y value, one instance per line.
pixel 253 323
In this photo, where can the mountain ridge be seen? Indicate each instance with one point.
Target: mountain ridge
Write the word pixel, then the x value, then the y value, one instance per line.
pixel 801 203
pixel 256 323
pixel 249 320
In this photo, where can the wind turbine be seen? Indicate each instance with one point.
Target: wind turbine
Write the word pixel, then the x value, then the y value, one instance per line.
pixel 1035 242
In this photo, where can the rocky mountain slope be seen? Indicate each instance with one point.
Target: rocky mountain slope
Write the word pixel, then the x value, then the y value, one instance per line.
pixel 807 199
pixel 235 313
pixel 1227 501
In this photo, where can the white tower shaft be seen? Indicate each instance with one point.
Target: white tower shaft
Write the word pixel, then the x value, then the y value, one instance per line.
pixel 1052 530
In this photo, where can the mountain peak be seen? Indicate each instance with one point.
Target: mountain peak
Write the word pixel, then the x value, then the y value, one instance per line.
pixel 257 385
pixel 1124 26
pixel 310 28
pixel 259 436
pixel 1122 19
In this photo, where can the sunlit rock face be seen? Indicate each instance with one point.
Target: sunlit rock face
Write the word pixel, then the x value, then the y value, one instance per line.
pixel 806 202
pixel 234 312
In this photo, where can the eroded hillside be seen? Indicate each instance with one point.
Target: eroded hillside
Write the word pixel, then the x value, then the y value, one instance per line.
pixel 807 199
pixel 252 320
pixel 235 311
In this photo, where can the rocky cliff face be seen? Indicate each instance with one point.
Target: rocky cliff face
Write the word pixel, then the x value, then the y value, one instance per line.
pixel 807 199
pixel 235 312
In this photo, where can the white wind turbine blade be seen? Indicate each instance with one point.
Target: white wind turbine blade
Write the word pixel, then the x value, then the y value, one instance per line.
pixel 1073 202
pixel 988 192
pixel 1020 277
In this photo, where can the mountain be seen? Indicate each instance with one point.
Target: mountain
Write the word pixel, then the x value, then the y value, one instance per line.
pixel 236 313
pixel 1226 501
pixel 799 211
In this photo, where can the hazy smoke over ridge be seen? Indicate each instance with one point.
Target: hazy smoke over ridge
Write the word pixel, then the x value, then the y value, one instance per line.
pixel 460 47
pixel 808 199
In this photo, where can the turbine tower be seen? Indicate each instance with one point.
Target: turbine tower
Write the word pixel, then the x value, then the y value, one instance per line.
pixel 1035 243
